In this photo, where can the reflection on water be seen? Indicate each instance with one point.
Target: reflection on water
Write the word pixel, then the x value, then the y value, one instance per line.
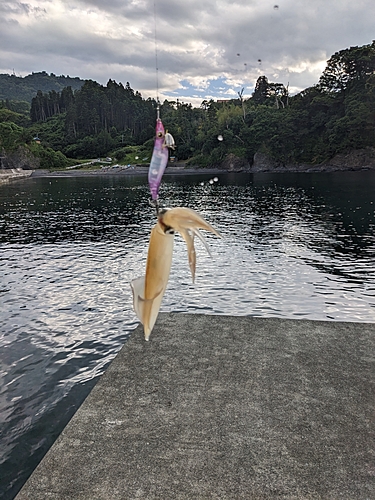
pixel 297 246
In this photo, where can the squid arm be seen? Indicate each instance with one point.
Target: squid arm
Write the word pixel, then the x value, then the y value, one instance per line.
pixel 148 291
pixel 188 222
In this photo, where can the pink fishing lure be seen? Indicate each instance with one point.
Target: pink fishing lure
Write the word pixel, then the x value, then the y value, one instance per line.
pixel 159 160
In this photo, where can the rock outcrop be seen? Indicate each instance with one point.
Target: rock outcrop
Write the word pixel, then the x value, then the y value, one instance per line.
pixel 359 159
pixel 20 158
pixel 233 163
pixel 13 174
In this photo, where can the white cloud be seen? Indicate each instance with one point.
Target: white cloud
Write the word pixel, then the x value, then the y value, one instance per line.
pixel 197 42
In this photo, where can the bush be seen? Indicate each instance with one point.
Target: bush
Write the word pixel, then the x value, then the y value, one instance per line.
pixel 11 135
pixel 121 153
pixel 49 158
pixel 200 160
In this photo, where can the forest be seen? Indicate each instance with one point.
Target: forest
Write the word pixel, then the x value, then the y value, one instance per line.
pixel 23 89
pixel 90 120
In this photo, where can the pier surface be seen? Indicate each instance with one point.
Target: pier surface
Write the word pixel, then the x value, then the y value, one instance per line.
pixel 218 407
pixel 13 174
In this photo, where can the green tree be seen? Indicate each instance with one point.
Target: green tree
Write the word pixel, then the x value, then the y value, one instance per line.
pixel 348 66
pixel 11 135
pixel 261 91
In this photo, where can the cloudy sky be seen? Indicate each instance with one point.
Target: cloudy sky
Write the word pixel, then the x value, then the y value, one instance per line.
pixel 205 48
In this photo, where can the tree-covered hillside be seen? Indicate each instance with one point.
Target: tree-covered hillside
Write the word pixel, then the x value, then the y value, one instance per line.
pixel 16 88
pixel 335 115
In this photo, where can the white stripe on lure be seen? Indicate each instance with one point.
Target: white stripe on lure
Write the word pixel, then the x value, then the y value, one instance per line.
pixel 148 291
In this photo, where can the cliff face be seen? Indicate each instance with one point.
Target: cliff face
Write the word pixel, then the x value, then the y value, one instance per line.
pixel 20 158
pixel 360 159
pixel 233 163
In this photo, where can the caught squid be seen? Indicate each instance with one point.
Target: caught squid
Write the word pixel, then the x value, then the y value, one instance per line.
pixel 148 291
pixel 159 159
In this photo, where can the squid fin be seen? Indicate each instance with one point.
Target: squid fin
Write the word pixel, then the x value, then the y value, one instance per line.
pixel 145 307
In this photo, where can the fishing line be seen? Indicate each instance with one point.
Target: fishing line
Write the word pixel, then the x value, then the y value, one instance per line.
pixel 156 64
pixel 163 139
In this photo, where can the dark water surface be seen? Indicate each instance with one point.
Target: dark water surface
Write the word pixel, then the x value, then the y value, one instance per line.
pixel 294 246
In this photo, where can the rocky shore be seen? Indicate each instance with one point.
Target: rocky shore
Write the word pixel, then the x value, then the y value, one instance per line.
pixel 137 170
pixel 356 160
pixel 11 174
pixel 360 159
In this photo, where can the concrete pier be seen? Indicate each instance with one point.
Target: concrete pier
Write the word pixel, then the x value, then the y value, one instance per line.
pixel 13 174
pixel 216 407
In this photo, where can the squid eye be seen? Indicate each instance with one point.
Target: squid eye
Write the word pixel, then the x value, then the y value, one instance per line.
pixel 160 134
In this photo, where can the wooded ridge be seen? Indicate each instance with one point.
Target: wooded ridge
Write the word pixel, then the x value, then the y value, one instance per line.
pixel 89 120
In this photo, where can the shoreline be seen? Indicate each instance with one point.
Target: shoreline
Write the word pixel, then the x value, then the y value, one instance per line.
pixel 20 174
pixel 139 171
pixel 13 174
pixel 353 160
pixel 127 172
